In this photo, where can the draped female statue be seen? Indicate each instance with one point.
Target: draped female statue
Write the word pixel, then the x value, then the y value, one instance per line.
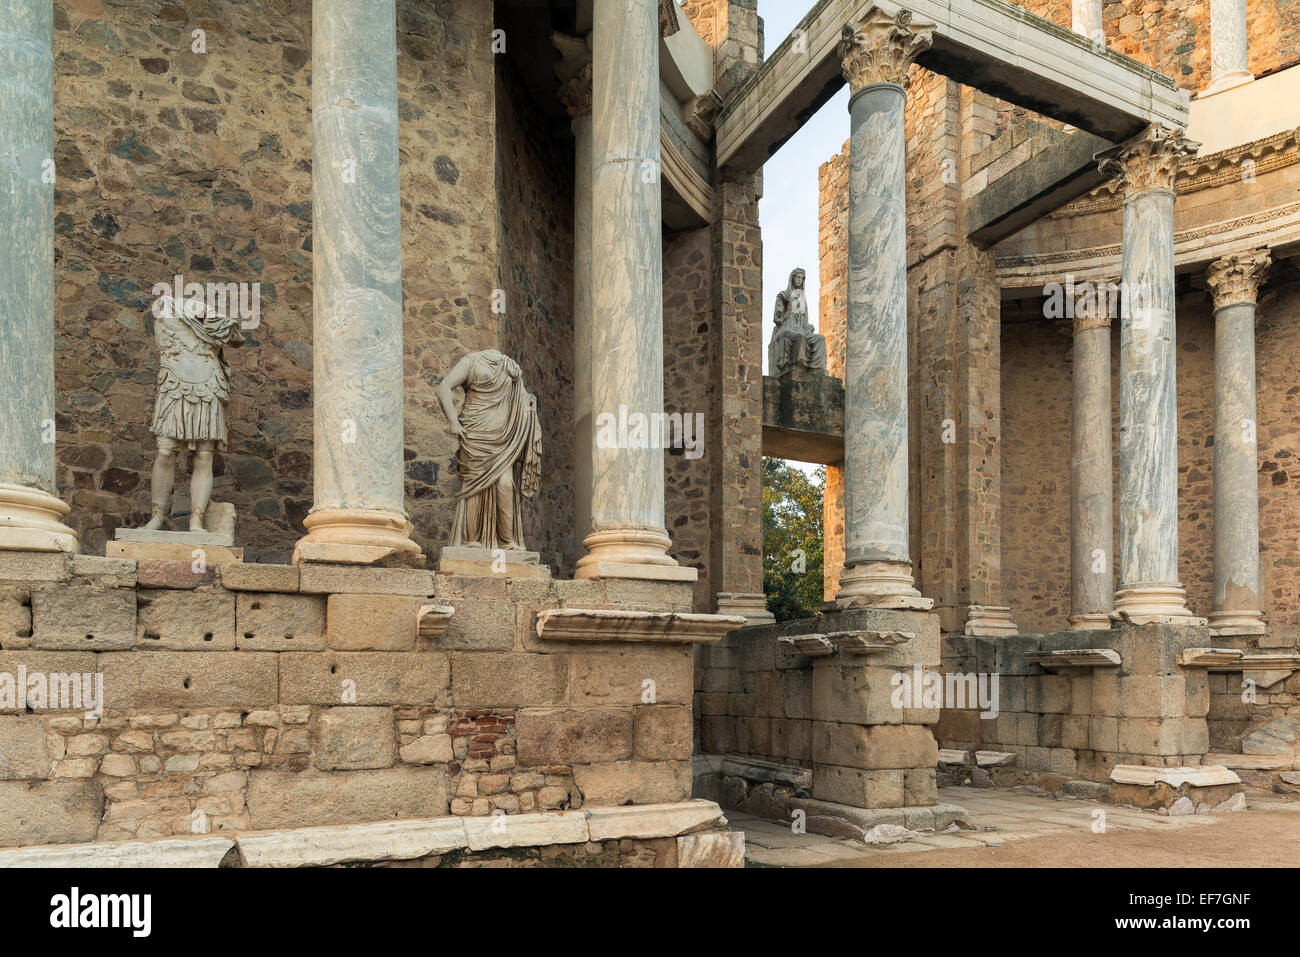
pixel 795 343
pixel 500 456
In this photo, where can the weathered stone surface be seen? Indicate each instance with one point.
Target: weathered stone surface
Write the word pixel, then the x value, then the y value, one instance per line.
pixel 354 739
pixel 173 852
pixel 526 830
pixel 480 625
pixel 856 787
pixel 23 753
pixel 282 799
pixel 548 736
pixel 374 622
pixel 159 679
pixel 335 579
pixel 480 679
pixel 609 784
pixel 711 849
pixel 373 677
pixel 49 812
pixel 83 617
pixel 202 619
pixel 657 820
pixel 874 747
pixel 157 573
pixel 108 572
pixel 428 749
pixel 324 846
pixel 627 677
pixel 268 621
pixel 662 732
pixel 255 577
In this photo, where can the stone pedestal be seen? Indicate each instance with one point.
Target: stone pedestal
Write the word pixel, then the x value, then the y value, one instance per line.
pixel 1092 532
pixel 752 607
pixel 876 54
pixel 628 538
pixel 358 515
pixel 507 562
pixel 1234 282
pixel 1149 588
pixel 31 514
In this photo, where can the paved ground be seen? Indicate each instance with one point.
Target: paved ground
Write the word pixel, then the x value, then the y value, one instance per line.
pixel 1025 830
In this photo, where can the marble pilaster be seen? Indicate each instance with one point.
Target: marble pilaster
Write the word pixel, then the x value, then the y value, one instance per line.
pixel 358 515
pixel 628 538
pixel 1149 589
pixel 876 53
pixel 30 512
pixel 575 71
pixel 1229 60
pixel 1234 282
pixel 1092 532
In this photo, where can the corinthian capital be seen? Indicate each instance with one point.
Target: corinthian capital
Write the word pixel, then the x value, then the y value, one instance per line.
pixel 1237 278
pixel 574 71
pixel 881 46
pixel 1147 161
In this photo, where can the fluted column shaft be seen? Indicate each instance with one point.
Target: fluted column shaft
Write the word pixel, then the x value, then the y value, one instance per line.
pixel 359 509
pixel 1092 532
pixel 876 54
pixel 1234 282
pixel 628 539
pixel 1148 451
pixel 30 512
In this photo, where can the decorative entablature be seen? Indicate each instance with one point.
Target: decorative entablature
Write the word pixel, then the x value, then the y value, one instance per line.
pixel 1195 173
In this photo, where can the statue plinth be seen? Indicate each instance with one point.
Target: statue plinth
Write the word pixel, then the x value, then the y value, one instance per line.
pixel 508 562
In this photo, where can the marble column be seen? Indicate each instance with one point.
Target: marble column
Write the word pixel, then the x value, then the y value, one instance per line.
pixel 30 512
pixel 359 511
pixel 1086 20
pixel 1092 530
pixel 876 53
pixel 628 538
pixel 1234 282
pixel 1149 588
pixel 575 91
pixel 1229 62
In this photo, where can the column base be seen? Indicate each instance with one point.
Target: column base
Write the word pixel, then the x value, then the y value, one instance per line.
pixel 631 553
pixel 1090 621
pixel 1227 81
pixel 989 621
pixel 1154 604
pixel 752 606
pixel 30 520
pixel 357 536
pixel 880 585
pixel 1233 621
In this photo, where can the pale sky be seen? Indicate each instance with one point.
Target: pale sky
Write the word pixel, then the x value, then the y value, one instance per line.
pixel 788 209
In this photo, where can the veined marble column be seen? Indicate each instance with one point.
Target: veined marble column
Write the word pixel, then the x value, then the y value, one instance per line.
pixel 1149 588
pixel 1229 61
pixel 1234 282
pixel 575 74
pixel 30 511
pixel 876 53
pixel 1092 530
pixel 359 511
pixel 1086 20
pixel 628 538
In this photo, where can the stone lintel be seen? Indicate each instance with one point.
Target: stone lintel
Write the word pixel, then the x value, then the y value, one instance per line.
pixel 588 624
pixel 1204 776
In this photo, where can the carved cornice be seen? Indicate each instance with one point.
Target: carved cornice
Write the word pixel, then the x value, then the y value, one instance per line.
pixel 1203 172
pixel 574 71
pixel 1147 161
pixel 1237 278
pixel 698 114
pixel 880 47
pixel 668 21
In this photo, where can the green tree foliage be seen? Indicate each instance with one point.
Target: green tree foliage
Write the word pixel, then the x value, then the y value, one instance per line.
pixel 792 539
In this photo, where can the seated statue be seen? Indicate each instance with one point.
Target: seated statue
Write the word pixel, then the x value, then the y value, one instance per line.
pixel 795 343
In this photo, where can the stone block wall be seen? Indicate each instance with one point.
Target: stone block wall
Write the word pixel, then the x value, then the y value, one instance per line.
pixel 256 697
pixel 835 714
